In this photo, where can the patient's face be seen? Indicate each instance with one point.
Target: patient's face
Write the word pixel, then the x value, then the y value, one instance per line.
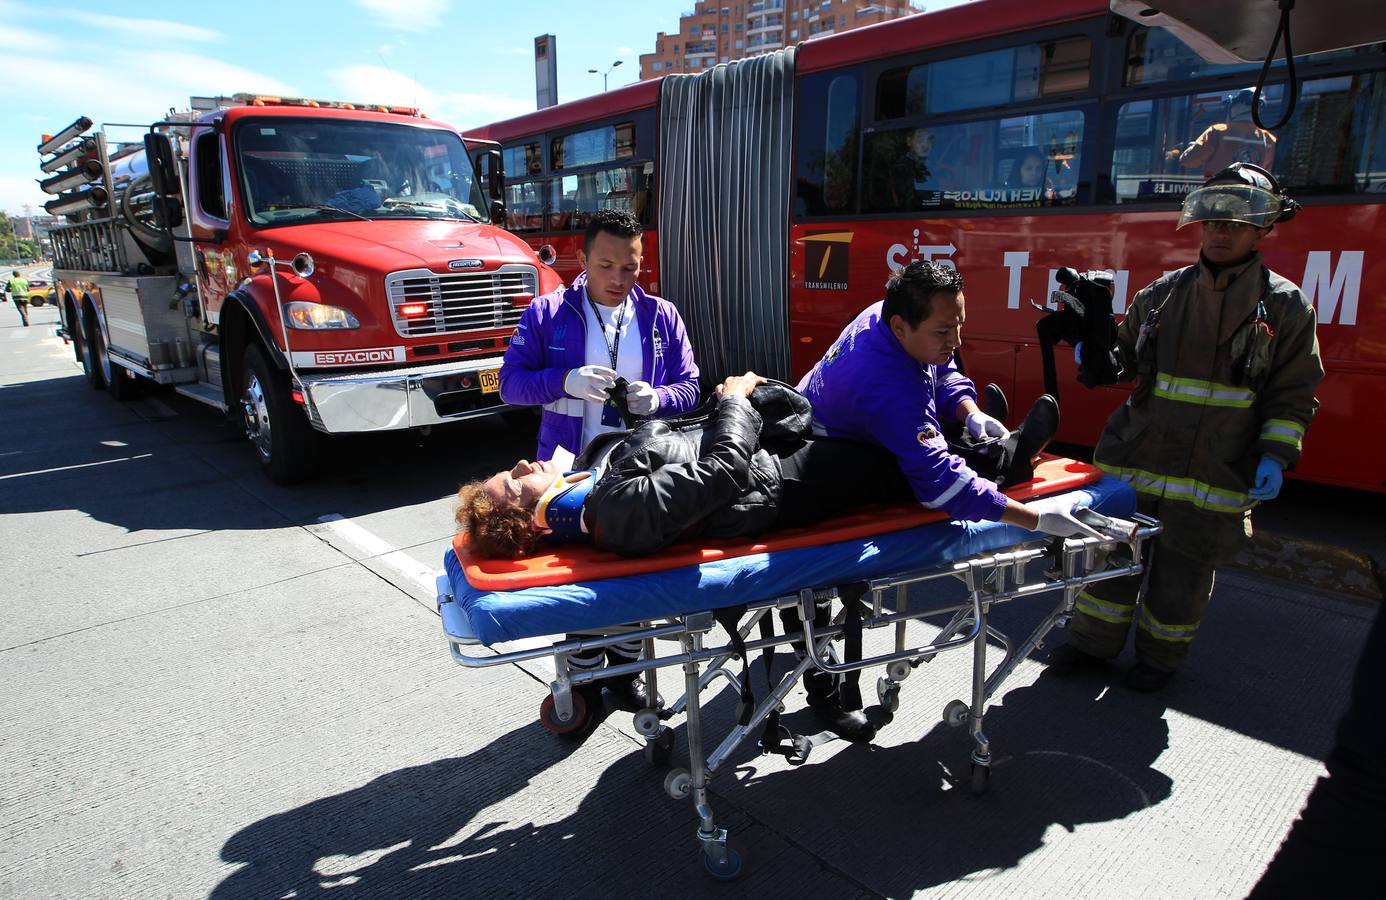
pixel 524 484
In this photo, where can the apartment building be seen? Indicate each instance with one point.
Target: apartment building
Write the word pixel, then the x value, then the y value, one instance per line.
pixel 713 34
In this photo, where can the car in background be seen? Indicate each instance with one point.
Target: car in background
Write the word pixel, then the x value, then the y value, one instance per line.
pixel 41 292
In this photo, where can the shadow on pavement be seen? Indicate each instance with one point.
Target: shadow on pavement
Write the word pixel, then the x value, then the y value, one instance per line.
pixel 891 820
pixel 164 462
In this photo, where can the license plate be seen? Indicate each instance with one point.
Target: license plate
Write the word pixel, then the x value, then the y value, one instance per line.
pixel 490 380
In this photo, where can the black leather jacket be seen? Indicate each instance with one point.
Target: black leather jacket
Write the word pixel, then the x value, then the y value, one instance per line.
pixel 707 473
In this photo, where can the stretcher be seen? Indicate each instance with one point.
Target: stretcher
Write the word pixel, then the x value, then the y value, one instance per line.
pixel 861 566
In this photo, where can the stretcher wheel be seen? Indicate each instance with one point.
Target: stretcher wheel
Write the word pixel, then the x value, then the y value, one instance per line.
pixel 955 713
pixel 678 783
pixel 647 723
pixel 728 868
pixel 660 750
pixel 981 778
pixel 899 670
pixel 889 694
pixel 548 715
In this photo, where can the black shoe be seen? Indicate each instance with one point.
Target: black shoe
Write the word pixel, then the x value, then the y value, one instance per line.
pixel 848 724
pixel 1146 678
pixel 627 693
pixel 1033 435
pixel 994 403
pixel 1067 659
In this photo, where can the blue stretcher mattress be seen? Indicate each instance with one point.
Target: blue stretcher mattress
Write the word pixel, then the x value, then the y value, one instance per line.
pixel 489 617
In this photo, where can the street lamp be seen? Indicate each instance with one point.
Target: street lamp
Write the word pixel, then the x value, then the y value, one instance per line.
pixel 604 74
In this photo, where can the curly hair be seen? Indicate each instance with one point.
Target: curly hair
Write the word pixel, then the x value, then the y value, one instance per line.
pixel 494 530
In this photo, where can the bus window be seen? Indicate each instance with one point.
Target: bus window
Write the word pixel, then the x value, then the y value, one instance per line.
pixel 596 145
pixel 1154 55
pixel 985 79
pixel 577 197
pixel 523 160
pixel 826 152
pixel 1011 162
pixel 526 204
pixel 1332 144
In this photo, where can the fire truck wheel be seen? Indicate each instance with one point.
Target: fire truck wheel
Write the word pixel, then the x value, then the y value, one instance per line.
pixel 278 430
pixel 85 352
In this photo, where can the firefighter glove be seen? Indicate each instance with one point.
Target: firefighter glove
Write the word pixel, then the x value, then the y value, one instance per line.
pixel 983 427
pixel 1078 353
pixel 589 383
pixel 1270 474
pixel 641 398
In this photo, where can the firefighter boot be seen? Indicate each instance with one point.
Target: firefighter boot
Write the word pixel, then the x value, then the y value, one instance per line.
pixel 1147 679
pixel 848 724
pixel 628 693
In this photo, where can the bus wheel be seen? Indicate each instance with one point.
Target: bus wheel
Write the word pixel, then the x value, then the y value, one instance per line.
pixel 283 439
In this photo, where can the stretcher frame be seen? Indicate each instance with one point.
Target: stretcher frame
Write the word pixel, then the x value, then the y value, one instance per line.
pixel 990 578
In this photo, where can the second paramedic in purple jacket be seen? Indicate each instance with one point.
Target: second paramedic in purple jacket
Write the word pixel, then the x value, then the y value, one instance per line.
pixel 571 344
pixel 889 379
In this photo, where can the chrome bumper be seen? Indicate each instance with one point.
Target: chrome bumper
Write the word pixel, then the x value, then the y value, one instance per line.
pixel 399 398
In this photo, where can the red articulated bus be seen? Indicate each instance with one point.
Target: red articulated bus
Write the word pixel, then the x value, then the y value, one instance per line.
pixel 1005 138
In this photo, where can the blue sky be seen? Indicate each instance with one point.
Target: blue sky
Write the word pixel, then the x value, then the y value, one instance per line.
pixel 465 62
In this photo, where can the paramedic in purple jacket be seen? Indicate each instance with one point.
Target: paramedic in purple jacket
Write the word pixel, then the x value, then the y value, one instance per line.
pixel 568 350
pixel 571 344
pixel 889 379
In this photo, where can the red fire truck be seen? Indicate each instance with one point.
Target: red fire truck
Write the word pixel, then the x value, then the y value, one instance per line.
pixel 313 267
pixel 1004 137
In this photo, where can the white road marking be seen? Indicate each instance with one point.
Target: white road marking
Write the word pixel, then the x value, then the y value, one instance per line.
pixel 104 462
pixel 378 549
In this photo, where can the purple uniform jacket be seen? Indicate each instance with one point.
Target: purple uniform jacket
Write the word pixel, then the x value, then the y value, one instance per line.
pixel 551 339
pixel 867 388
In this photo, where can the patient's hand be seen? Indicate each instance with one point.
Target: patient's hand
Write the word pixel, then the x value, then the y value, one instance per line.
pixel 740 385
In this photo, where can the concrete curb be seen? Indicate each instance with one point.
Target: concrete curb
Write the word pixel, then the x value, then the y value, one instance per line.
pixel 1331 568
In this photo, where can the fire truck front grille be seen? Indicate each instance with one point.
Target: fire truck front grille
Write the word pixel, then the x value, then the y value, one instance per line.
pixel 427 303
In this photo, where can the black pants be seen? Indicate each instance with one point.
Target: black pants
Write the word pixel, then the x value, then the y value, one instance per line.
pixel 827 476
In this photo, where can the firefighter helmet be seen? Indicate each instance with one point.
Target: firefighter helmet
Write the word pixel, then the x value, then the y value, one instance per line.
pixel 1242 192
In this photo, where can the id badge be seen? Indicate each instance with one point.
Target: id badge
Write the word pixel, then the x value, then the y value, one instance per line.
pixel 611 416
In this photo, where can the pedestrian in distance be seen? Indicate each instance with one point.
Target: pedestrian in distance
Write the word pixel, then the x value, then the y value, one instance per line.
pixel 18 289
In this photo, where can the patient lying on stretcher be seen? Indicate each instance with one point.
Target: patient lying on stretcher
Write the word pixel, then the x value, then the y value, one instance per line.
pixel 745 466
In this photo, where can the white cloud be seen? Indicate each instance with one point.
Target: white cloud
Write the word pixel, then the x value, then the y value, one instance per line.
pixel 130 86
pixel 415 15
pixel 377 84
pixel 17 190
pixel 29 41
pixel 150 30
pixel 624 51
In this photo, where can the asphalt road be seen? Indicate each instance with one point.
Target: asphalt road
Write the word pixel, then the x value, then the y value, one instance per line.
pixel 216 686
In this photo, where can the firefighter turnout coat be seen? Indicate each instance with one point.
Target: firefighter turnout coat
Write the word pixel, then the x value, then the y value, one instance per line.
pixel 1225 367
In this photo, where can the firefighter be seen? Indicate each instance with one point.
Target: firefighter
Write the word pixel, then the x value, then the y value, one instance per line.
pixel 1225 362
pixel 1238 139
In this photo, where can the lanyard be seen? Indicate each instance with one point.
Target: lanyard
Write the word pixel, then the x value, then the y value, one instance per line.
pixel 612 349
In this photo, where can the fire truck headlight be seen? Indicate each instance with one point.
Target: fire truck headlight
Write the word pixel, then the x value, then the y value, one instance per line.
pixel 318 316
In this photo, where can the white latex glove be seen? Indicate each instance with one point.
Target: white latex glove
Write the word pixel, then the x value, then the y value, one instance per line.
pixel 589 383
pixel 641 398
pixel 1056 517
pixel 984 428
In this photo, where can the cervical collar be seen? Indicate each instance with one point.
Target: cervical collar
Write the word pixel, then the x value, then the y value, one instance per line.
pixel 560 509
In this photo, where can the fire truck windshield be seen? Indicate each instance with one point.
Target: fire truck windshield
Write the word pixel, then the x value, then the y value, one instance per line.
pixel 300 170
